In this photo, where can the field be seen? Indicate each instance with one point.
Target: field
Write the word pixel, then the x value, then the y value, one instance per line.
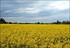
pixel 34 36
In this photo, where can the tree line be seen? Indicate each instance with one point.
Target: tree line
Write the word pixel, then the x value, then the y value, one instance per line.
pixel 2 21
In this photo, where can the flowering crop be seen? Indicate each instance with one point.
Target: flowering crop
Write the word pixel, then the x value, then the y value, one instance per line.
pixel 34 36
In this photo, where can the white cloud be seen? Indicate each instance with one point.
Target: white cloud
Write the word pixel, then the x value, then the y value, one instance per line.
pixel 59 5
pixel 28 10
pixel 40 18
pixel 40 6
pixel 47 5
pixel 61 15
pixel 31 10
pixel 20 10
pixel 44 18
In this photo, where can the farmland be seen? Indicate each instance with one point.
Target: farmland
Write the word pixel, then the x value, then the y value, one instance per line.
pixel 34 36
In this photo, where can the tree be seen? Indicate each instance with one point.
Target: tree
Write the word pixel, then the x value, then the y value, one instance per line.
pixel 58 22
pixel 66 22
pixel 38 22
pixel 2 20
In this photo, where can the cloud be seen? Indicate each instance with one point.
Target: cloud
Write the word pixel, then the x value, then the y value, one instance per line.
pixel 33 11
pixel 42 18
pixel 28 10
pixel 56 5
pixel 60 15
pixel 40 6
pixel 59 5
pixel 7 11
pixel 33 8
pixel 35 0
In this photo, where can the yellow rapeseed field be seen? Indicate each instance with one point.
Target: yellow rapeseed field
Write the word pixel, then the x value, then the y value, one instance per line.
pixel 34 36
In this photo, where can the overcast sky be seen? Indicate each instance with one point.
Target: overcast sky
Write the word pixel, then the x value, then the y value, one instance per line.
pixel 34 10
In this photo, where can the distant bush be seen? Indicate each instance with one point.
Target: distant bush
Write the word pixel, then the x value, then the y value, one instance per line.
pixel 2 21
pixel 63 22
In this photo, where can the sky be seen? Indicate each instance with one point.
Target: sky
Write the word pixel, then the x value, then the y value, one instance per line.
pixel 34 10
